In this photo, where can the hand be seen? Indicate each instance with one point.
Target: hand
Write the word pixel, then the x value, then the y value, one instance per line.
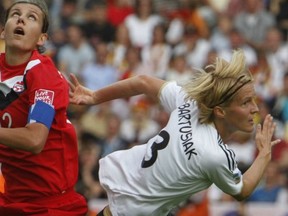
pixel 78 94
pixel 264 136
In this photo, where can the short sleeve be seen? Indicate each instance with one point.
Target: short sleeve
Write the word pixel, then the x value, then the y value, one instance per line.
pixel 45 83
pixel 171 96
pixel 222 170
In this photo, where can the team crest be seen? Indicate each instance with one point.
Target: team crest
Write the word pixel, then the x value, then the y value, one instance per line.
pixel 47 96
pixel 18 86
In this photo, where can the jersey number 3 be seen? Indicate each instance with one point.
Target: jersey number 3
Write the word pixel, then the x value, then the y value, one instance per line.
pixel 155 147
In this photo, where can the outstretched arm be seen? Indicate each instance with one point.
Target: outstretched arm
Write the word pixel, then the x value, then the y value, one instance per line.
pixel 141 84
pixel 264 143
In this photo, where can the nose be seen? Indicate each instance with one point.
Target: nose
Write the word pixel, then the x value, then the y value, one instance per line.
pixel 20 20
pixel 254 108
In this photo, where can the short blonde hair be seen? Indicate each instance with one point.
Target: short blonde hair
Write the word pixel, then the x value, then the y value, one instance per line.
pixel 218 86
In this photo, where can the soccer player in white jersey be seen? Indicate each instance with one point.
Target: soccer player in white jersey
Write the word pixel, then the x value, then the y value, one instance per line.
pixel 189 154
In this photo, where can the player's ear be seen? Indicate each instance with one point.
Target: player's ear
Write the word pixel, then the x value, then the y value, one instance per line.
pixel 2 35
pixel 219 112
pixel 43 37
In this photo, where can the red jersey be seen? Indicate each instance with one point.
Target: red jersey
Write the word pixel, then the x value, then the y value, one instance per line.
pixel 53 171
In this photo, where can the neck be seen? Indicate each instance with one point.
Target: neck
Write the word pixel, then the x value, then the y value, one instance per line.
pixel 224 131
pixel 17 58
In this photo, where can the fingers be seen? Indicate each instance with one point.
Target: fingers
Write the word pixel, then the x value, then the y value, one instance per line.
pixel 74 79
pixel 268 130
pixel 71 85
pixel 275 142
pixel 268 126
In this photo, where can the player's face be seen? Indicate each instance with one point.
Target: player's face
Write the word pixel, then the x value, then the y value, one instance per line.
pixel 239 115
pixel 22 30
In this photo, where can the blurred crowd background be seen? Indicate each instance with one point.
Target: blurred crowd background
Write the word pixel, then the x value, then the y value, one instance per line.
pixel 102 42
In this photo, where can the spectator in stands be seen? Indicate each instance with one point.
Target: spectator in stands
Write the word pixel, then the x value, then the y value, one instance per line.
pixel 158 54
pixel 179 70
pixel 237 41
pixel 253 23
pixel 276 51
pixel 63 12
pixel 89 154
pixel 280 108
pixel 193 47
pixel 99 73
pixel 279 9
pixel 134 64
pixel 113 140
pixel 56 41
pixel 262 74
pixel 97 27
pixel 141 23
pixel 94 121
pixel 234 7
pixel 220 34
pixel 118 47
pixel 139 126
pixel 118 11
pixel 271 189
pixel 189 15
pixel 76 53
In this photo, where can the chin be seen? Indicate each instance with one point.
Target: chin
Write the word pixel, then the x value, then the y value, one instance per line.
pixel 249 129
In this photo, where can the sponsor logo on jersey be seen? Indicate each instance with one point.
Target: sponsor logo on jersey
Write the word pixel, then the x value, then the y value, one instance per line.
pixel 18 86
pixel 47 96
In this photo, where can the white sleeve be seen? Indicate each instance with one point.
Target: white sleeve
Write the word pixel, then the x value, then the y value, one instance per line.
pixel 171 96
pixel 222 170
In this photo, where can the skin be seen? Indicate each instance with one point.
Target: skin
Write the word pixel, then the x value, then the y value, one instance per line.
pixel 238 116
pixel 27 19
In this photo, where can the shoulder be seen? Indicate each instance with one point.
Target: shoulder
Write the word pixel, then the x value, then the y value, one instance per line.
pixel 171 95
pixel 43 67
pixel 170 86
pixel 42 62
pixel 131 18
pixel 155 18
pixel 218 154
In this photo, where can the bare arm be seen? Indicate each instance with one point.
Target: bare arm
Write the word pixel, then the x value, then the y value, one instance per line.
pixel 253 175
pixel 31 138
pixel 136 85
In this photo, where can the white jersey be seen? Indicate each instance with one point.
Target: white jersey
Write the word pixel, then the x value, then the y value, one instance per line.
pixel 184 158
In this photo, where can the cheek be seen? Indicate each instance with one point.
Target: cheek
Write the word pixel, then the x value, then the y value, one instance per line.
pixel 237 116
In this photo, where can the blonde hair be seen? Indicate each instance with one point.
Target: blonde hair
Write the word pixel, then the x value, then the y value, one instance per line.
pixel 218 86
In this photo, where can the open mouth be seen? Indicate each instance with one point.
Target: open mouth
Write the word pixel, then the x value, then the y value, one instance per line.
pixel 19 31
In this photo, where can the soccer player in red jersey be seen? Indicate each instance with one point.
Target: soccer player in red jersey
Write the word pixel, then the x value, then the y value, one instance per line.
pixel 38 150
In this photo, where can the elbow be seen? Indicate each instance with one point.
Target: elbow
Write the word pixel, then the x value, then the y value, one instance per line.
pixel 240 197
pixel 141 83
pixel 143 79
pixel 36 147
pixel 37 137
pixel 148 85
pixel 36 144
